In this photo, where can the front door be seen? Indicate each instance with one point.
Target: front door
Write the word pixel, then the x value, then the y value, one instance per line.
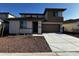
pixel 35 27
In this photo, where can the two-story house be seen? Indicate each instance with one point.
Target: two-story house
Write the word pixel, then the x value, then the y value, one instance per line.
pixel 48 22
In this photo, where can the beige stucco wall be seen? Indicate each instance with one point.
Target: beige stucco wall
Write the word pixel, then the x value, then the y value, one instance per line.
pixel 70 26
pixel 39 27
pixel 14 27
pixel 77 25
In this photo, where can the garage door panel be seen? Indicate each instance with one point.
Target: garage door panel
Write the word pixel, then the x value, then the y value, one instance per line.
pixel 48 28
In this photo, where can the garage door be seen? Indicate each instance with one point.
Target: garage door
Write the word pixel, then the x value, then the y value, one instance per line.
pixel 49 28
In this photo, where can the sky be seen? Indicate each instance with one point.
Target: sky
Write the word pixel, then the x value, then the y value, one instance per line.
pixel 72 9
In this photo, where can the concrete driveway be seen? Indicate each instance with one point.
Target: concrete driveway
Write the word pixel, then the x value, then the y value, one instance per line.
pixel 62 44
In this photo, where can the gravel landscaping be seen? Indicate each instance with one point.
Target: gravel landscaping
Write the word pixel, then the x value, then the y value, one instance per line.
pixel 24 44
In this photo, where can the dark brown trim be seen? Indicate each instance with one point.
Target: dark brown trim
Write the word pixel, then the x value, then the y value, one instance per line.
pixel 4 12
pixel 31 13
pixel 27 18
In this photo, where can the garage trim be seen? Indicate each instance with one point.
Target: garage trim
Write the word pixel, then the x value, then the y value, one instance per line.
pixel 52 23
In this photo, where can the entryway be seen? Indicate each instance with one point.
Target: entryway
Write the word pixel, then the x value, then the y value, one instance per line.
pixel 35 27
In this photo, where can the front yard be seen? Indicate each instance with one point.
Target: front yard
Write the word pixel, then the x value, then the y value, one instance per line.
pixel 24 44
pixel 55 43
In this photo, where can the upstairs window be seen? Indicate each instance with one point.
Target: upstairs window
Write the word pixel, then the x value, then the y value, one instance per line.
pixel 23 24
pixel 59 13
pixel 55 13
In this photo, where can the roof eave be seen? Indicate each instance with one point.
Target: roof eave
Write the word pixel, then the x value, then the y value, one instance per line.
pixel 25 18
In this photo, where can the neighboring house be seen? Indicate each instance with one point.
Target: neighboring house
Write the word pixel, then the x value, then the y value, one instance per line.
pixel 4 24
pixel 48 22
pixel 4 15
pixel 1 21
pixel 71 25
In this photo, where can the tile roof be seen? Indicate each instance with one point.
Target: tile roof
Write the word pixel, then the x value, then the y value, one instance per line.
pixel 71 21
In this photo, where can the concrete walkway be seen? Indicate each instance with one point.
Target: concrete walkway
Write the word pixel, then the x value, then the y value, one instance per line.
pixel 62 44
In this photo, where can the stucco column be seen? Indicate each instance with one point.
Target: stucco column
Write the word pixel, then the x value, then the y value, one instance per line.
pixel 39 27
pixel 61 28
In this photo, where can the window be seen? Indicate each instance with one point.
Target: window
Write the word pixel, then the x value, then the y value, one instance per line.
pixel 23 24
pixel 60 14
pixel 55 13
